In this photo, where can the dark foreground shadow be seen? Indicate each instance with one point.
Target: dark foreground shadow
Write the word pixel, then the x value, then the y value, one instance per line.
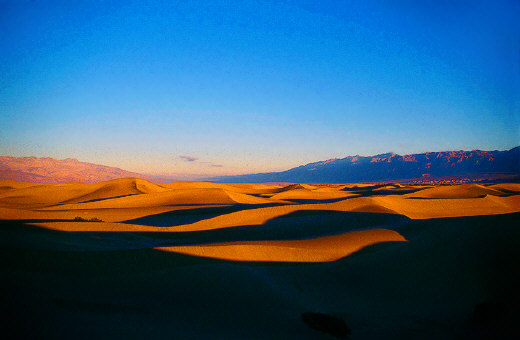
pixel 145 293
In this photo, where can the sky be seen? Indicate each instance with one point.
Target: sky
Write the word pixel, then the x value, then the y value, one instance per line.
pixel 205 88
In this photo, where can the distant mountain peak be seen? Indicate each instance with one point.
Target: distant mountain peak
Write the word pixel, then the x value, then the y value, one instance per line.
pixel 385 155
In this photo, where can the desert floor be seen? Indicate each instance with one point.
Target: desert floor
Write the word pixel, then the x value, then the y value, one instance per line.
pixel 246 261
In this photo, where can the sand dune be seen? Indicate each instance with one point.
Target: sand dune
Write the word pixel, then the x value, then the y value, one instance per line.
pixel 309 195
pixel 105 214
pixel 415 209
pixel 323 249
pixel 408 207
pixel 292 187
pixel 7 184
pixel 127 199
pixel 460 191
pixel 48 194
pixel 244 188
pixel 507 187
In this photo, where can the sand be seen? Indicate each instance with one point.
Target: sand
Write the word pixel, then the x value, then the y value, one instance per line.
pixel 322 249
pixel 244 261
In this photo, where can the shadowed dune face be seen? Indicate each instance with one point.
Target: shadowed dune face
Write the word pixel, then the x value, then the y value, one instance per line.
pixel 391 261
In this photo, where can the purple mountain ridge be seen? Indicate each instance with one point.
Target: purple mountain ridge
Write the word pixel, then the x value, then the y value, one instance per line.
pixel 391 166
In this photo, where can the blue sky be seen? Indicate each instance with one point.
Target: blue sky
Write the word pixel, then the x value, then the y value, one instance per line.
pixel 250 86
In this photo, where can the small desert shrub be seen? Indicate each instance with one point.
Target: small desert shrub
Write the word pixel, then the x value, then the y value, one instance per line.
pixel 81 219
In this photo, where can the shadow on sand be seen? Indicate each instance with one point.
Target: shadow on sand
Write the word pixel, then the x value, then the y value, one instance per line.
pixel 187 216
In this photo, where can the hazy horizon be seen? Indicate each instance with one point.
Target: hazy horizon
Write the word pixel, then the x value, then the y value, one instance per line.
pixel 233 88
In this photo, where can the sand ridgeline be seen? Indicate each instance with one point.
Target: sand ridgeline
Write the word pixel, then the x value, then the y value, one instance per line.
pixel 392 261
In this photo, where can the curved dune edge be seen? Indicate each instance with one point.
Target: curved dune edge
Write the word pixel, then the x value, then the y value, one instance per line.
pixel 322 249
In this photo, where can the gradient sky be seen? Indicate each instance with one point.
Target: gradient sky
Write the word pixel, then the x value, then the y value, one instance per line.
pixel 168 87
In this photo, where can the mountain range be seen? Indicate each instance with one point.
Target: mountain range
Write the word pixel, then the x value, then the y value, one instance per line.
pixel 351 169
pixel 50 170
pixel 391 166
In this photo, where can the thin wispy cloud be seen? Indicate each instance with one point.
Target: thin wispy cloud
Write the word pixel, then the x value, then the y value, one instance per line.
pixel 195 159
pixel 188 158
pixel 211 164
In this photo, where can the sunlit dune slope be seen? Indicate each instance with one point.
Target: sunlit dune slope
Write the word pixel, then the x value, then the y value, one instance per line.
pixel 172 197
pixel 123 194
pixel 7 184
pixel 107 215
pixel 322 249
pixel 119 187
pixel 459 191
pixel 249 199
pixel 507 187
pixel 244 188
pixel 310 194
pixel 45 194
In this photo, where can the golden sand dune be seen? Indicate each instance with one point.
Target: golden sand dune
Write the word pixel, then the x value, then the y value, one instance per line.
pixel 507 187
pixel 322 249
pixel 412 208
pixel 397 188
pixel 292 187
pixel 319 194
pixel 7 184
pixel 47 194
pixel 439 208
pixel 100 227
pixel 249 199
pixel 107 215
pixel 172 197
pixel 244 188
pixel 119 187
pixel 360 186
pixel 459 191
pixel 127 199
pixel 43 194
